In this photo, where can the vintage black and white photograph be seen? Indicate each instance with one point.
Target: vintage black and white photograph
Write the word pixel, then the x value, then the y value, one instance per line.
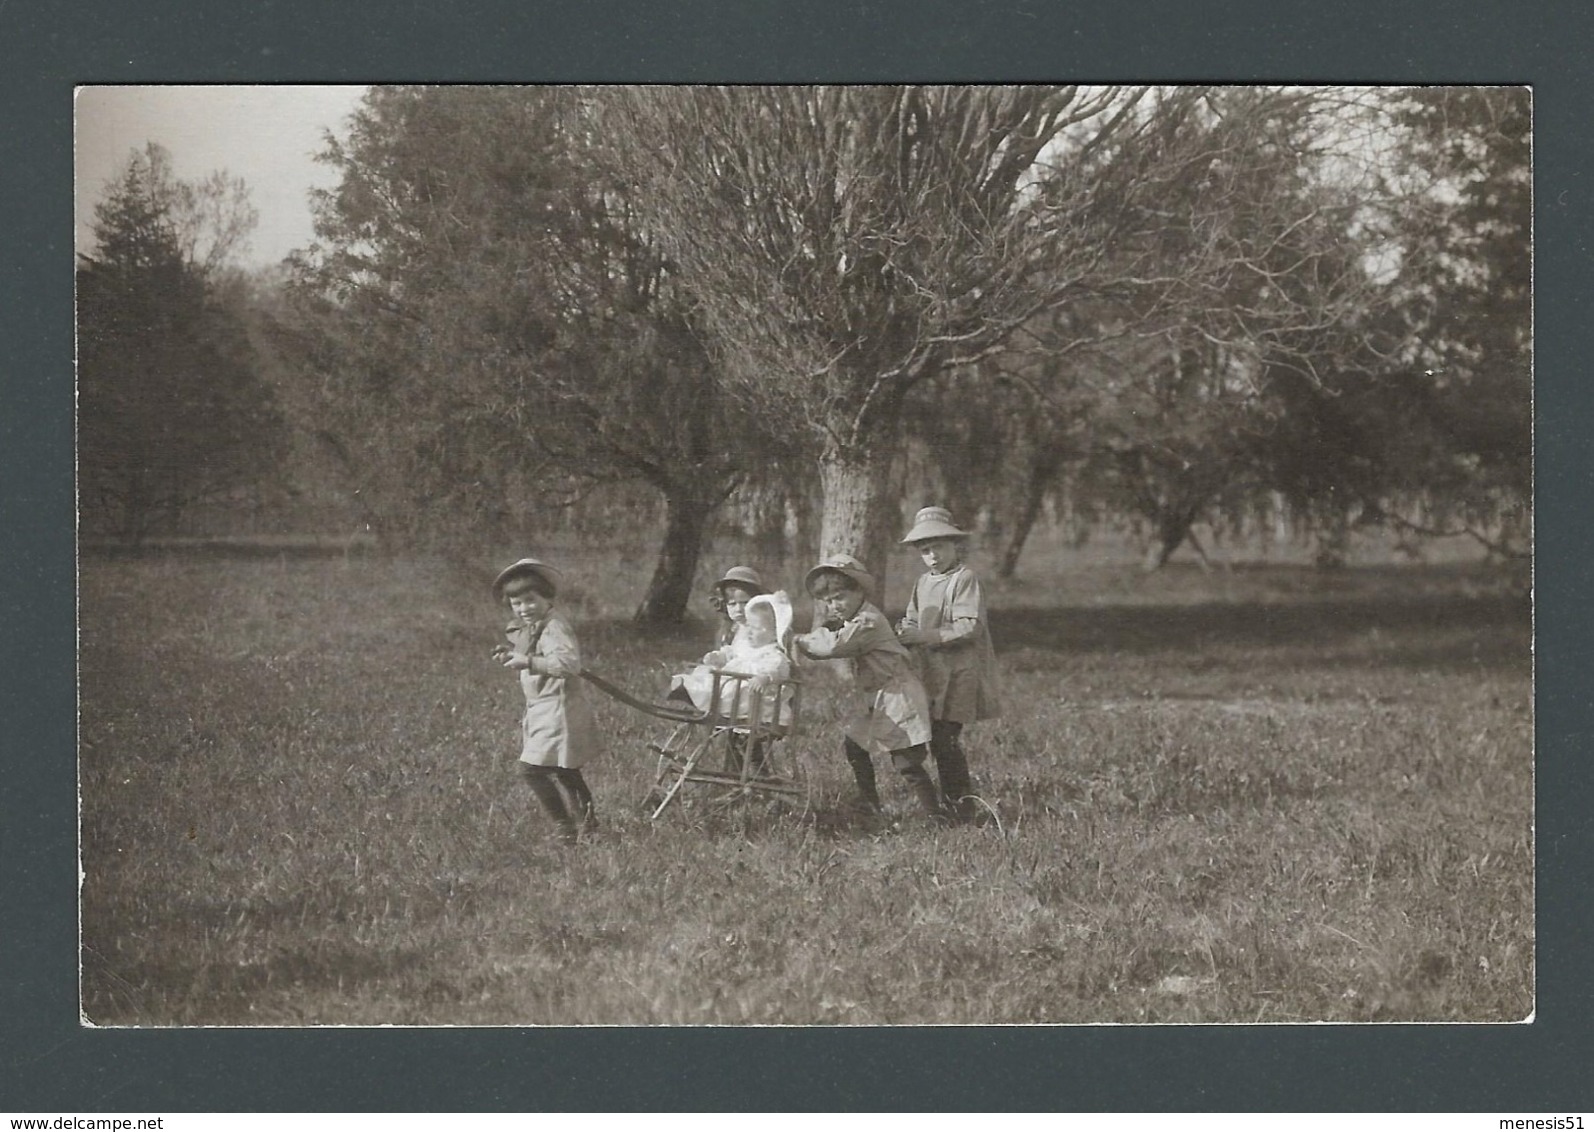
pixel 848 555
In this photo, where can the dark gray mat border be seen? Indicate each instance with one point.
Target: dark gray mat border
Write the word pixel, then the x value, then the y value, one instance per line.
pixel 49 1065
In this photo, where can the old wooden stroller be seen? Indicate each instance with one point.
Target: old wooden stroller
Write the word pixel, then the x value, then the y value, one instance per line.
pixel 736 748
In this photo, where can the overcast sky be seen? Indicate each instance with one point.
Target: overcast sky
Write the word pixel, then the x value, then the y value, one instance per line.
pixel 265 134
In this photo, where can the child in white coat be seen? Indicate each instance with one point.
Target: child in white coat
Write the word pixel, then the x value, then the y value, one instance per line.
pixel 557 734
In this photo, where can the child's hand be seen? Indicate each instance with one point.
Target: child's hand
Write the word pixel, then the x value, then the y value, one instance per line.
pixel 514 660
pixel 915 637
pixel 715 659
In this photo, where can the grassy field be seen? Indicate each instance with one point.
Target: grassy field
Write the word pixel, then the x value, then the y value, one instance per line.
pixel 1260 794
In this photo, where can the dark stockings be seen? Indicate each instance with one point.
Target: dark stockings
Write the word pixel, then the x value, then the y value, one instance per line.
pixel 581 804
pixel 862 773
pixel 908 762
pixel 952 766
pixel 546 783
pixel 737 748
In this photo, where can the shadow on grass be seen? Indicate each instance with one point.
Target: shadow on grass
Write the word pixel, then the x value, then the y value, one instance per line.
pixel 218 991
pixel 1431 619
pixel 1440 631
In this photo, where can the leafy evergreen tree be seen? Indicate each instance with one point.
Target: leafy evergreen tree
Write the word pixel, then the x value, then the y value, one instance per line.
pixel 171 411
pixel 1427 428
pixel 1469 300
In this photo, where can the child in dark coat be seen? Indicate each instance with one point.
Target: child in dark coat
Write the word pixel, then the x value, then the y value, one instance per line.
pixel 890 713
pixel 949 632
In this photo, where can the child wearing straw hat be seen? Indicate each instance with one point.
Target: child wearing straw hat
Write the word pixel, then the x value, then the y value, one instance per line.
pixel 758 652
pixel 758 655
pixel 557 732
pixel 947 627
pixel 736 587
pixel 890 713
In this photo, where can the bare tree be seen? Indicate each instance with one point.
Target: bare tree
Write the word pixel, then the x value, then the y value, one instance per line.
pixel 843 243
pixel 1252 244
pixel 491 310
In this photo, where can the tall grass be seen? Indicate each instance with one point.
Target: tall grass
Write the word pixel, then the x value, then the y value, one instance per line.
pixel 1244 796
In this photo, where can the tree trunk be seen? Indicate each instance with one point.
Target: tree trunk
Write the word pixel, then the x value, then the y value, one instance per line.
pixel 958 493
pixel 686 516
pixel 1041 473
pixel 1333 542
pixel 769 526
pixel 860 507
pixel 1173 527
pixel 803 519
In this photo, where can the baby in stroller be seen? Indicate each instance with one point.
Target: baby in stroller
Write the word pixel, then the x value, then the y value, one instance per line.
pixel 758 653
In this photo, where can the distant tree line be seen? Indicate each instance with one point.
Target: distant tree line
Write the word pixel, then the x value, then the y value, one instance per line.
pixel 1175 304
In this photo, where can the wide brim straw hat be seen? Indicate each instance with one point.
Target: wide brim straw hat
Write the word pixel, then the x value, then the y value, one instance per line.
pixel 933 522
pixel 522 568
pixel 742 576
pixel 780 604
pixel 844 564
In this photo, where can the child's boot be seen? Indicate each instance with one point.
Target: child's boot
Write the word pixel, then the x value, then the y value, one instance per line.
pixel 924 790
pixel 541 781
pixel 581 804
pixel 761 765
pixel 585 817
pixel 952 768
pixel 863 774
pixel 910 765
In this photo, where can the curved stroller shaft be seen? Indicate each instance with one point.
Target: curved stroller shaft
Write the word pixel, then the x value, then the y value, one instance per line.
pixel 732 745
pixel 679 713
